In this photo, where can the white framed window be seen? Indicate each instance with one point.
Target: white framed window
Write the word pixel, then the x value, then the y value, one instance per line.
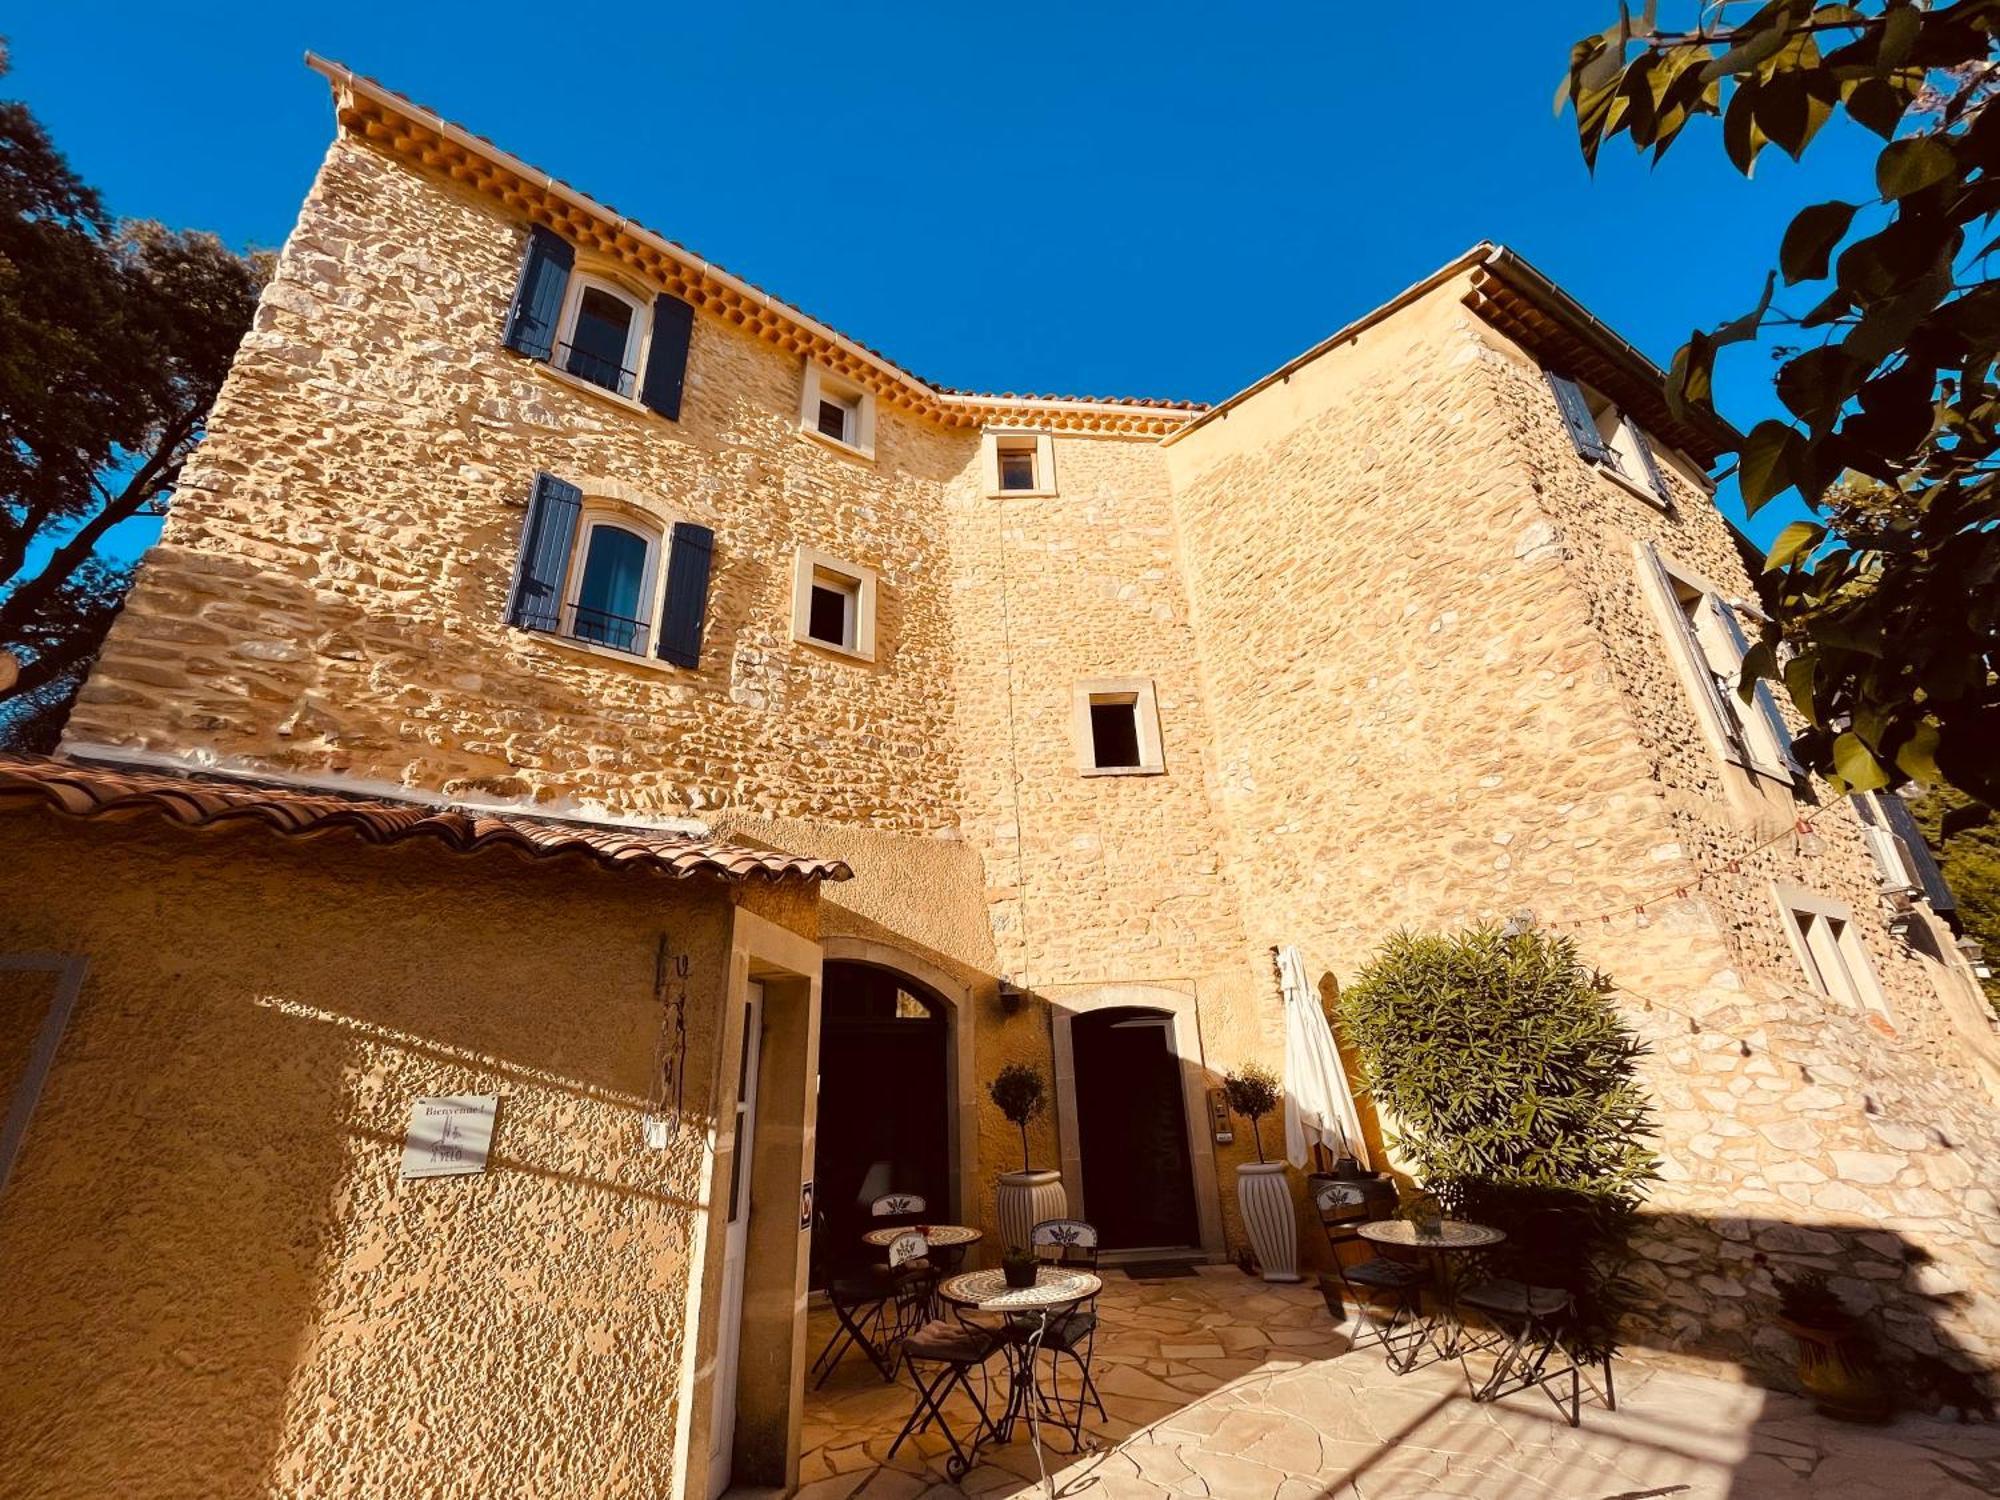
pixel 1708 645
pixel 601 335
pixel 612 595
pixel 835 410
pixel 1018 463
pixel 1116 724
pixel 1609 439
pixel 1829 949
pixel 833 604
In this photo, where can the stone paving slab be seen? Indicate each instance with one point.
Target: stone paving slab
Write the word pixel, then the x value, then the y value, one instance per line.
pixel 1223 1386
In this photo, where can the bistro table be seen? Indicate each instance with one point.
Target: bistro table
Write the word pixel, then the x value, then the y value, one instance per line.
pixel 1056 1291
pixel 1452 1236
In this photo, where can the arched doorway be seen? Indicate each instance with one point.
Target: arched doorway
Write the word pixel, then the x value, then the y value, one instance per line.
pixel 884 1122
pixel 1132 1128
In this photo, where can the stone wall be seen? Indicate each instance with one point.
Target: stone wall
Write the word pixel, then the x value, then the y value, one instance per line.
pixel 1439 698
pixel 217 1284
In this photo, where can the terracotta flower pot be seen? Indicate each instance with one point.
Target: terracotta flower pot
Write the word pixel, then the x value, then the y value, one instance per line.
pixel 1834 1369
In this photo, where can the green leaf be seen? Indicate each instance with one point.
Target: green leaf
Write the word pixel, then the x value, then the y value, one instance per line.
pixel 1741 137
pixel 1767 466
pixel 1749 52
pixel 1900 26
pixel 1810 239
pixel 1794 542
pixel 1916 757
pixel 1856 765
pixel 1913 164
pixel 1878 105
pixel 1799 674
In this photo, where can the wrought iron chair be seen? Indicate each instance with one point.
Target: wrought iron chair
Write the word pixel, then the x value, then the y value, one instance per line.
pixel 1071 1335
pixel 1377 1280
pixel 1537 1330
pixel 866 1303
pixel 940 1355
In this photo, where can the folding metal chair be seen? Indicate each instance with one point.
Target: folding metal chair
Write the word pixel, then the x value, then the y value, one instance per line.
pixel 1071 1335
pixel 1532 1322
pixel 941 1355
pixel 863 1302
pixel 1343 1208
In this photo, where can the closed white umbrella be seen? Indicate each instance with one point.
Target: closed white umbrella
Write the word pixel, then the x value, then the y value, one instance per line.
pixel 1319 1106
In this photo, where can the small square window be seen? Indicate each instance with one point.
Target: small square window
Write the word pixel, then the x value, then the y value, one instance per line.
pixel 1114 733
pixel 1829 949
pixel 1017 468
pixel 833 604
pixel 833 409
pixel 836 420
pixel 1117 727
pixel 830 616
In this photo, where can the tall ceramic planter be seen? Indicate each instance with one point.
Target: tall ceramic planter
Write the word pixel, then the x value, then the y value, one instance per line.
pixel 1027 1198
pixel 1265 1199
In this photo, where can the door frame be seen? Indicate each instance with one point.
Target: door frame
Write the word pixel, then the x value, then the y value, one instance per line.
pixel 743 1177
pixel 962 1104
pixel 771 1359
pixel 1185 1036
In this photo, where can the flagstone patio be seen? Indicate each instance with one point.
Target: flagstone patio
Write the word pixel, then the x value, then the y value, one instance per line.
pixel 1220 1385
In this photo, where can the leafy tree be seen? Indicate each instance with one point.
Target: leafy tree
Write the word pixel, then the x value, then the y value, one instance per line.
pixel 1020 1093
pixel 1252 1092
pixel 114 339
pixel 1887 603
pixel 1970 860
pixel 1514 1091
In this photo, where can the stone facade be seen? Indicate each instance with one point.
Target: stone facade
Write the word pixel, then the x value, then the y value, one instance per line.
pixel 1405 677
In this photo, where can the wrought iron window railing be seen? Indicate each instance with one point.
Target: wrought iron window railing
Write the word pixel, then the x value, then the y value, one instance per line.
pixel 602 628
pixel 596 369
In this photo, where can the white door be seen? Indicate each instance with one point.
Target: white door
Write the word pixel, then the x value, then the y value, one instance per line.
pixel 729 1331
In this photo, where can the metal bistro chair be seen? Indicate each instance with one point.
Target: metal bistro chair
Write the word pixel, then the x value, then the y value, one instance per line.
pixel 1343 1208
pixel 1536 1326
pixel 866 1303
pixel 950 1350
pixel 1071 1335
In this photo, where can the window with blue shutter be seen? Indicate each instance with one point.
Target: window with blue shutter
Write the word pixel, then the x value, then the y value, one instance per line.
pixel 666 360
pixel 1576 414
pixel 546 539
pixel 538 296
pixel 688 563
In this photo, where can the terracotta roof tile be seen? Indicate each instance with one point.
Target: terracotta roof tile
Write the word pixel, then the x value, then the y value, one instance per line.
pixel 83 790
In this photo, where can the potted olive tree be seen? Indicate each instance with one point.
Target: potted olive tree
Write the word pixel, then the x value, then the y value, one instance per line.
pixel 1033 1194
pixel 1263 1196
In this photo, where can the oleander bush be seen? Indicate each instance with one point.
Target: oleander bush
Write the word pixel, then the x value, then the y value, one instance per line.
pixel 1510 1085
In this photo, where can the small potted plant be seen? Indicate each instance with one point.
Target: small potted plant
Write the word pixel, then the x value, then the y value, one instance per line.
pixel 1262 1193
pixel 1425 1216
pixel 1018 1266
pixel 1834 1364
pixel 1033 1194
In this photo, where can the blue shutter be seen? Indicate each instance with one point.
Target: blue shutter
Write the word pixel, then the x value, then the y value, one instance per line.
pixel 538 296
pixel 1647 462
pixel 546 539
pixel 1576 416
pixel 667 359
pixel 687 594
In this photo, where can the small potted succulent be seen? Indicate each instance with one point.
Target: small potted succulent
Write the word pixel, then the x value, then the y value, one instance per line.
pixel 1018 1267
pixel 1262 1194
pixel 1835 1366
pixel 1426 1216
pixel 1033 1194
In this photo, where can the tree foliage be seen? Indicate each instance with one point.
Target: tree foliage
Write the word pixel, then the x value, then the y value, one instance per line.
pixel 1886 606
pixel 1020 1093
pixel 1970 860
pixel 1252 1092
pixel 1513 1092
pixel 114 339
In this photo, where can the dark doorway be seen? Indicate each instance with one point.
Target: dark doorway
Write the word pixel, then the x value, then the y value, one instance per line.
pixel 884 1121
pixel 1138 1184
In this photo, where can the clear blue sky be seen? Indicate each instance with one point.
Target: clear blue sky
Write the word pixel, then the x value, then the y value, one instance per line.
pixel 1139 200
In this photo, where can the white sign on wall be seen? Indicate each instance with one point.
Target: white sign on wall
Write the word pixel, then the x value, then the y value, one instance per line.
pixel 449 1137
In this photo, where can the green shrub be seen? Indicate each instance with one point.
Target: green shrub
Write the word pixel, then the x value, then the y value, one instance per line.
pixel 1020 1093
pixel 1511 1088
pixel 1252 1092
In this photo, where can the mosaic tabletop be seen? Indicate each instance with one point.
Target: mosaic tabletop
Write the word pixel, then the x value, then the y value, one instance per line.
pixel 988 1290
pixel 1452 1234
pixel 939 1236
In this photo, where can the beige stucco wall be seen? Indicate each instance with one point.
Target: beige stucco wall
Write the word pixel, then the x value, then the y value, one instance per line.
pixel 217 1284
pixel 1438 698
